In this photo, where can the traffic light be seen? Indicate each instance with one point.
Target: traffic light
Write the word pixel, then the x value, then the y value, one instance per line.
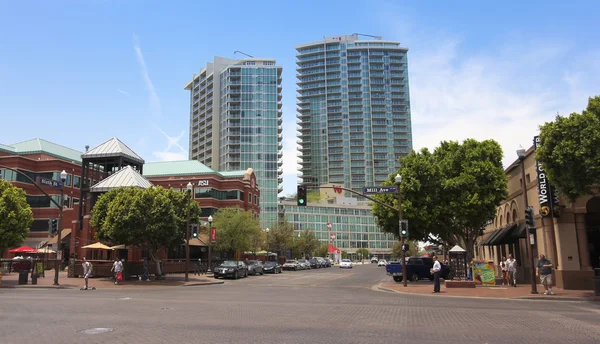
pixel 301 196
pixel 529 221
pixel 405 247
pixel 403 228
pixel 194 231
pixel 53 226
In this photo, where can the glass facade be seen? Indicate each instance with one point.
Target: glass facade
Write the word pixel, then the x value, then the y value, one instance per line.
pixel 353 226
pixel 240 126
pixel 353 110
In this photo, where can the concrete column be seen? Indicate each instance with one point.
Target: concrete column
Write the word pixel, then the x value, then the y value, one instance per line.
pixel 582 241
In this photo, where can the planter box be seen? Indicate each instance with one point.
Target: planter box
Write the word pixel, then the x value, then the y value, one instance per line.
pixel 459 284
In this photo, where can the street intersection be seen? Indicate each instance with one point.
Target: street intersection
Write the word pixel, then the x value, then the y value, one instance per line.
pixel 320 306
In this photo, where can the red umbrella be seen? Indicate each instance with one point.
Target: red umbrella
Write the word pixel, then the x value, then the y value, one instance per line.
pixel 23 249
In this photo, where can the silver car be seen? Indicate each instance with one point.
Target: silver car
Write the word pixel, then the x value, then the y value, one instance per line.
pixel 304 263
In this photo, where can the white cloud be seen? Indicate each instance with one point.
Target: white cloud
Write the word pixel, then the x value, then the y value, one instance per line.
pixel 155 106
pixel 170 156
pixel 172 142
pixel 501 92
pixel 123 92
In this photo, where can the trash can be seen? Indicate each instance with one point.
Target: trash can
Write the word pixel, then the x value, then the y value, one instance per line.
pixel 34 277
pixel 23 275
pixel 597 282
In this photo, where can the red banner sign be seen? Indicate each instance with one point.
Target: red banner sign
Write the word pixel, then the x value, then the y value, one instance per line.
pixel 213 235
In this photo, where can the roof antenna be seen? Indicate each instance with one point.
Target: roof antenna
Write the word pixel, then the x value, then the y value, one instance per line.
pixel 243 53
pixel 87 147
pixel 362 34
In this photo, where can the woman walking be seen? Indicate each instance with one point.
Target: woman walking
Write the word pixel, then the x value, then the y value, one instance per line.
pixel 504 267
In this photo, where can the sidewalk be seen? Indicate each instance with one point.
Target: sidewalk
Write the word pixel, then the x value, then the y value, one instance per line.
pixel 174 280
pixel 503 292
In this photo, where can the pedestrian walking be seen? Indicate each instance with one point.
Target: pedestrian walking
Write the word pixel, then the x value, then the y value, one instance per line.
pixel 87 271
pixel 511 266
pixel 504 267
pixel 544 271
pixel 117 268
pixel 437 269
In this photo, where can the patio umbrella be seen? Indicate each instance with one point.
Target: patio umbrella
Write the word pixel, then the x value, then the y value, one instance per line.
pixel 23 249
pixel 119 247
pixel 97 246
pixel 46 250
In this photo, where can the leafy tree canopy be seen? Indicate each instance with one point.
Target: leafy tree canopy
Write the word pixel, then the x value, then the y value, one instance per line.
pixel 569 151
pixel 447 195
pixel 15 216
pixel 237 229
pixel 280 237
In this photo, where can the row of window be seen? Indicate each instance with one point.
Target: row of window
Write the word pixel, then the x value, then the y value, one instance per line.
pixel 13 176
pixel 44 202
pixel 325 210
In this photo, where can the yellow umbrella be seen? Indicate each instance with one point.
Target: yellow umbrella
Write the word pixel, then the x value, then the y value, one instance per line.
pixel 119 247
pixel 45 250
pixel 97 246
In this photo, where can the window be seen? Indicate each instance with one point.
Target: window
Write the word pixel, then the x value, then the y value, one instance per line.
pixel 255 199
pixel 528 178
pixel 249 198
pixel 67 202
pixel 76 182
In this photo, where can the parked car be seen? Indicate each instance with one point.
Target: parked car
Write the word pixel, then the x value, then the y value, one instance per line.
pixel 328 262
pixel 291 265
pixel 374 260
pixel 416 268
pixel 231 268
pixel 272 267
pixel 346 263
pixel 382 263
pixel 314 263
pixel 255 267
pixel 305 264
pixel 322 262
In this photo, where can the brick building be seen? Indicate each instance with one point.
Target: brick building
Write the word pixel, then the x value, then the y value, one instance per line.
pixel 111 165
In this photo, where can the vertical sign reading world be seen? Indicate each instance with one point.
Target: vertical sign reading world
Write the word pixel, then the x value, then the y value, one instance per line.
pixel 547 194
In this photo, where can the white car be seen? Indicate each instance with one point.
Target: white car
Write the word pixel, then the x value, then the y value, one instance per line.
pixel 346 263
pixel 382 262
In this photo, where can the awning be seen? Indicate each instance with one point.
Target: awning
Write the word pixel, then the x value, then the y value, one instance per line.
pixel 500 239
pixel 490 236
pixel 486 238
pixel 63 235
pixel 34 242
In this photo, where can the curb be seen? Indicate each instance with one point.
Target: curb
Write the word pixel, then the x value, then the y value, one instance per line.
pixel 202 283
pixel 35 287
pixel 522 298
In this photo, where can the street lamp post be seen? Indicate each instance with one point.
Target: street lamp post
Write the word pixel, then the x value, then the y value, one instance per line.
pixel 301 253
pixel 210 219
pixel 267 257
pixel 521 154
pixel 189 187
pixel 398 180
pixel 63 178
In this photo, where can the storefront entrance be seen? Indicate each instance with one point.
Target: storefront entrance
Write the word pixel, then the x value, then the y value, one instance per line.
pixel 592 227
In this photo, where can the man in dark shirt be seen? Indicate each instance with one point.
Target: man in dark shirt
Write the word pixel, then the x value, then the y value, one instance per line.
pixel 544 270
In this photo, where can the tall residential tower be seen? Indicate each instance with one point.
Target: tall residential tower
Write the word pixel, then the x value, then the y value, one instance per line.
pixel 353 110
pixel 235 123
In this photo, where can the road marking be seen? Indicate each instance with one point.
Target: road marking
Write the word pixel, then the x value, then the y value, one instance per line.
pixel 333 279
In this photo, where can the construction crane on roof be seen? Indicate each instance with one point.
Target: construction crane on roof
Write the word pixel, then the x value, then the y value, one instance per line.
pixel 362 34
pixel 243 53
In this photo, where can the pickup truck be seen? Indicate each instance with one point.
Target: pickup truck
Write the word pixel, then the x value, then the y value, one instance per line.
pixel 416 268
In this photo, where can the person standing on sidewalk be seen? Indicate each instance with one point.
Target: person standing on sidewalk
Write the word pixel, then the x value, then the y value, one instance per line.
pixel 87 271
pixel 504 268
pixel 118 269
pixel 437 268
pixel 544 270
pixel 511 266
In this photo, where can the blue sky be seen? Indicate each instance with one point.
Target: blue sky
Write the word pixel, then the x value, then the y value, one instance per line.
pixel 80 72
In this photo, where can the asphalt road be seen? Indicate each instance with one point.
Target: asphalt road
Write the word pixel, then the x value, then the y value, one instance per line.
pixel 319 306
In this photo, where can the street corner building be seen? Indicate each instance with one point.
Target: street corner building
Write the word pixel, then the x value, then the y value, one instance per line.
pixel 111 164
pixel 569 235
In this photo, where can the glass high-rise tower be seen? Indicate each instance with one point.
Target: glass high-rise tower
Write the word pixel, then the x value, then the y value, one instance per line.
pixel 235 123
pixel 353 110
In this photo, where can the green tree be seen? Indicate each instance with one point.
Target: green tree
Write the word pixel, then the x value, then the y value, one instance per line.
pixel 308 243
pixel 344 254
pixel 280 237
pixel 237 230
pixel 412 251
pixel 447 195
pixel 15 216
pixel 321 250
pixel 569 151
pixel 153 219
pixel 363 253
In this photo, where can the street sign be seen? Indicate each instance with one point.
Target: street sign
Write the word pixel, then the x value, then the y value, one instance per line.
pixel 50 182
pixel 380 189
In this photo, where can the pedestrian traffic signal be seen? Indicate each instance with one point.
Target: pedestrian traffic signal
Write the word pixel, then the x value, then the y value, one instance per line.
pixel 403 228
pixel 405 247
pixel 529 221
pixel 301 196
pixel 53 226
